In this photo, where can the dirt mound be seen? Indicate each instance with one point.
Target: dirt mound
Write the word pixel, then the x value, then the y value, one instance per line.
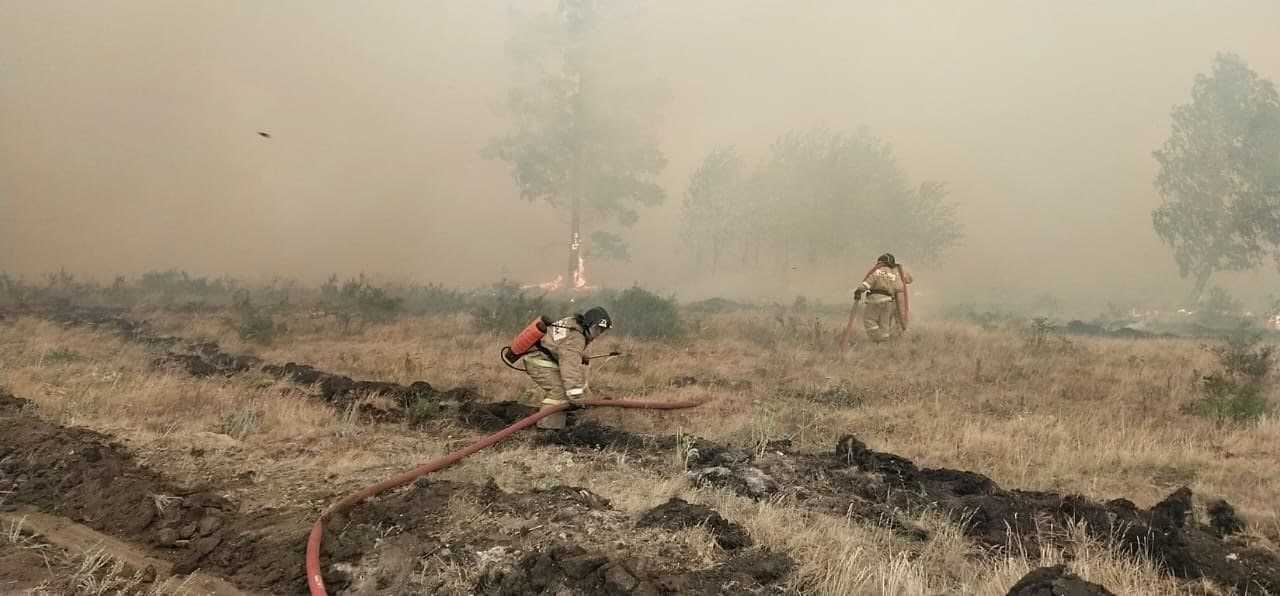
pixel 341 390
pixel 551 540
pixel 106 319
pixel 678 514
pixel 1056 581
pixel 593 435
pixel 416 403
pixel 873 486
pixel 492 415
pixel 1224 519
pixel 85 477
pixel 201 366
pixel 566 568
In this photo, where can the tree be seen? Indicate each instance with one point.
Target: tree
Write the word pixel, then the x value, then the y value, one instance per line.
pixel 710 205
pixel 820 196
pixel 583 116
pixel 1220 174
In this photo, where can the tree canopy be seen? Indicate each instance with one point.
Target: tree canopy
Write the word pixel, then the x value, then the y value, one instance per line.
pixel 1220 174
pixel 820 196
pixel 583 110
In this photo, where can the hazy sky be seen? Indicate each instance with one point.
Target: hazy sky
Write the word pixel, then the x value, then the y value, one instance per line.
pixel 128 130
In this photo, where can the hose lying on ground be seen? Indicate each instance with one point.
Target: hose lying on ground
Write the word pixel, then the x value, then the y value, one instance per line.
pixel 314 580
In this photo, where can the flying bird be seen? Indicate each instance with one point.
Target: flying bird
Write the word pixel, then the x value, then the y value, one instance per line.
pixel 264 135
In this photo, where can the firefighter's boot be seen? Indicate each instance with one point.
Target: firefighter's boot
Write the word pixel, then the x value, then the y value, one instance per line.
pixel 557 421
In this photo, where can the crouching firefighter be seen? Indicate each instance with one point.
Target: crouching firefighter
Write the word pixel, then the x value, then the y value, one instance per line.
pixel 554 355
pixel 887 309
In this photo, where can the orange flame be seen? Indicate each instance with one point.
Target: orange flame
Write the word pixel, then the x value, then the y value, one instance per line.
pixel 579 280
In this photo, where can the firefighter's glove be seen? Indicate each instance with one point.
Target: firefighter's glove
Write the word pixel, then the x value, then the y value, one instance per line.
pixel 857 294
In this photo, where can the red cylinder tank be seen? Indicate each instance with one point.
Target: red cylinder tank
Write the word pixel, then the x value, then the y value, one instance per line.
pixel 526 339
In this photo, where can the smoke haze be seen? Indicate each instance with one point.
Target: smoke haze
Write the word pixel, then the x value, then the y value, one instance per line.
pixel 128 133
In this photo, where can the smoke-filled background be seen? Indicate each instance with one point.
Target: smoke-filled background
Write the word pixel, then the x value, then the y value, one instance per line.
pixel 129 135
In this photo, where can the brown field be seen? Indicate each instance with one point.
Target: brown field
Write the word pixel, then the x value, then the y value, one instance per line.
pixel 1095 417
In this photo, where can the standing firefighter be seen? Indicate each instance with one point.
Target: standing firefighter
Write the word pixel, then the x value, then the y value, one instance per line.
pixel 555 358
pixel 885 286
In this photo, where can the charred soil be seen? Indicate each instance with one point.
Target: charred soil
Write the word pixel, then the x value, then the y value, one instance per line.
pixel 556 540
pixel 876 486
pixel 382 401
pixel 86 478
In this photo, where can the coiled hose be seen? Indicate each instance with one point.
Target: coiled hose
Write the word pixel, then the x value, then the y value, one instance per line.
pixel 314 580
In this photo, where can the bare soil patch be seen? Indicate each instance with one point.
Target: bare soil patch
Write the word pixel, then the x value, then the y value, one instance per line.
pixel 86 478
pixel 544 542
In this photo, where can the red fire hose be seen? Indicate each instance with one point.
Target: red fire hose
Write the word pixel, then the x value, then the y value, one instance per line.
pixel 314 580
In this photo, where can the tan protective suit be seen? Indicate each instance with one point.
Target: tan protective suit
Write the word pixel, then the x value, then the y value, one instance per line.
pixel 880 316
pixel 560 371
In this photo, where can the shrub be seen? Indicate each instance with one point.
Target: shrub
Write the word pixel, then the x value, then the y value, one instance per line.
pixel 712 306
pixel 63 288
pixel 12 290
pixel 641 313
pixel 1039 332
pixel 435 299
pixel 507 308
pixel 357 299
pixel 255 325
pixel 175 289
pixel 1220 311
pixel 1235 393
pixel 1224 400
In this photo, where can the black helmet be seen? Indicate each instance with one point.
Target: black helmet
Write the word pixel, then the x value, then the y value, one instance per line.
pixel 887 259
pixel 596 317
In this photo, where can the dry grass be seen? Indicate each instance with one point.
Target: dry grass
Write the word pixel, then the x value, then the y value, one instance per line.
pixel 1096 417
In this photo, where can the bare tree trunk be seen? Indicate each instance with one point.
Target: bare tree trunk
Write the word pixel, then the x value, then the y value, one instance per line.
pixel 575 219
pixel 1201 281
pixel 575 239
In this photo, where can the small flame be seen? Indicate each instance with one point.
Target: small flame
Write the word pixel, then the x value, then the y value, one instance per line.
pixel 580 276
pixel 579 280
pixel 549 286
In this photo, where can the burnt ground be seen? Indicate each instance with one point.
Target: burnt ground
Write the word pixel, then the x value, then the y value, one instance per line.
pixel 381 401
pixel 849 481
pixel 85 477
pixel 678 514
pixel 416 403
pixel 549 541
pixel 1056 581
pixel 553 540
pixel 868 483
pixel 882 489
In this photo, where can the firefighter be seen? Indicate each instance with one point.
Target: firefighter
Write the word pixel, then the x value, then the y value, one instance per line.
pixel 885 287
pixel 558 363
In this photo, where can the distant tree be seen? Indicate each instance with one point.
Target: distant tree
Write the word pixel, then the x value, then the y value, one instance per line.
pixel 1219 309
pixel 583 112
pixel 927 223
pixel 1220 174
pixel 820 196
pixel 711 206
